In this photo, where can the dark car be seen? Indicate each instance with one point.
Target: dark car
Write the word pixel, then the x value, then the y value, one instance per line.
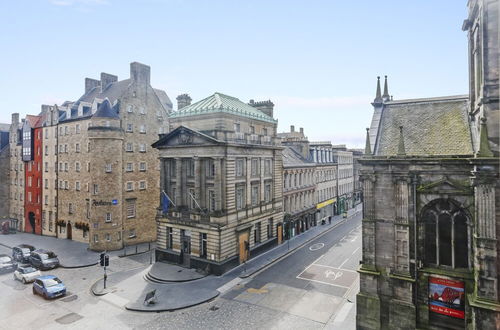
pixel 49 286
pixel 7 264
pixel 22 252
pixel 44 259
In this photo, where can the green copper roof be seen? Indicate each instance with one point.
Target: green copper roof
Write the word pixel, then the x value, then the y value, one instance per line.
pixel 222 103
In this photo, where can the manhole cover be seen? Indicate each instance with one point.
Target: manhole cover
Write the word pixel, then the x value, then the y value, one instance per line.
pixel 70 298
pixel 316 246
pixel 69 318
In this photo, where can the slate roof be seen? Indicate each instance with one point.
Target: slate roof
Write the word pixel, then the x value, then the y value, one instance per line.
pixel 4 127
pixel 431 127
pixel 34 121
pixel 106 111
pixel 292 158
pixel 219 102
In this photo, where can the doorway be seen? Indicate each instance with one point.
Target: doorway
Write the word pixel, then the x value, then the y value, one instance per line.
pixel 244 246
pixel 31 218
pixel 186 248
pixel 69 233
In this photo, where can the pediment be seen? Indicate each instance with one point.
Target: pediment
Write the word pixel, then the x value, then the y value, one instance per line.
pixel 444 186
pixel 184 136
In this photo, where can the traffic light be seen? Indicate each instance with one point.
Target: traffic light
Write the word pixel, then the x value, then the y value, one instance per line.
pixel 106 260
pixel 101 260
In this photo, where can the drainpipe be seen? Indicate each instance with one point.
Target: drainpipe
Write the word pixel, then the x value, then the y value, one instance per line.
pixel 415 227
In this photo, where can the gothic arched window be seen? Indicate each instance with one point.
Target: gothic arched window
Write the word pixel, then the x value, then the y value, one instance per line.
pixel 446 234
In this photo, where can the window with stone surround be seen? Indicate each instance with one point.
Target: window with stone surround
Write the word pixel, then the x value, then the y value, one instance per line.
pixel 240 167
pixel 77 186
pixel 142 129
pixel 446 234
pixel 132 234
pixel 255 195
pixel 129 167
pixel 211 200
pixel 130 128
pixel 129 186
pixel 203 245
pixel 95 189
pixel 129 147
pixel 108 237
pixel 267 191
pixel 108 168
pixel 142 147
pixel 130 207
pixel 142 185
pixel 255 167
pixel 240 197
pixel 70 208
pixel 142 166
pixel 267 167
pixel 170 237
pixel 108 217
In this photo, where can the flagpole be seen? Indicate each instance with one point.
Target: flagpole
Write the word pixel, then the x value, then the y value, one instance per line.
pixel 194 199
pixel 171 201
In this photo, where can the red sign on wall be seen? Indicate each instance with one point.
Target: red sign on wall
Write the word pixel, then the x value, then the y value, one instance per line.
pixel 447 297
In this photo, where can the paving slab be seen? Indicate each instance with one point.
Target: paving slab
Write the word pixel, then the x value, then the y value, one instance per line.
pixel 167 272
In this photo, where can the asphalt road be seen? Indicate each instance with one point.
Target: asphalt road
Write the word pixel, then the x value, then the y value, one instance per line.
pixel 312 288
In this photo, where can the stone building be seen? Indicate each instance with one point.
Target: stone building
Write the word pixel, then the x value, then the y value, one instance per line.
pixel 16 175
pixel 299 200
pixel 99 169
pixel 221 168
pixel 345 177
pixel 432 200
pixel 4 171
pixel 325 178
pixel 356 168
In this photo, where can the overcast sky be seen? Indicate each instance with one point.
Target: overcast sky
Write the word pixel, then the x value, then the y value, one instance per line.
pixel 316 60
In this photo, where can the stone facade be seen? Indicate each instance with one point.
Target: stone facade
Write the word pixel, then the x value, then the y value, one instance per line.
pixel 299 186
pixel 4 171
pixel 221 171
pixel 345 162
pixel 16 201
pixel 431 201
pixel 99 169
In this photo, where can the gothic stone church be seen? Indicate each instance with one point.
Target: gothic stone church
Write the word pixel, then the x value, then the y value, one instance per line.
pixel 432 200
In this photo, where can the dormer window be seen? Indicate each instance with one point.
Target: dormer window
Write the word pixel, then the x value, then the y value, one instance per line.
pixel 130 109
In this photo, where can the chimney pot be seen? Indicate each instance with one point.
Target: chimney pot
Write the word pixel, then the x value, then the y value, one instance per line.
pixel 183 100
pixel 292 128
pixel 302 130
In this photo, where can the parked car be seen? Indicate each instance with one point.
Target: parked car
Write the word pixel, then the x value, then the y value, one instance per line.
pixel 6 264
pixel 21 253
pixel 49 286
pixel 26 274
pixel 44 259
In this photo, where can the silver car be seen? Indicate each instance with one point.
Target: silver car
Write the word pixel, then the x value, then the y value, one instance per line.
pixel 26 274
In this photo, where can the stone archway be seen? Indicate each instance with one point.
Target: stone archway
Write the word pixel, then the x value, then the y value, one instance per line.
pixel 69 231
pixel 31 220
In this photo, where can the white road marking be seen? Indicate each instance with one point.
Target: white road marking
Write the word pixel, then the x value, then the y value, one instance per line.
pixel 345 270
pixel 355 251
pixel 308 279
pixel 226 287
pixel 342 264
pixel 355 237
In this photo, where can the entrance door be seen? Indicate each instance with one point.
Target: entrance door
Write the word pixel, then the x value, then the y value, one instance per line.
pixel 186 249
pixel 31 218
pixel 69 234
pixel 279 233
pixel 244 245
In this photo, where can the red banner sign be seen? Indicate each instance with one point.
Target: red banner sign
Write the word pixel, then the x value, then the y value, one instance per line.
pixel 447 297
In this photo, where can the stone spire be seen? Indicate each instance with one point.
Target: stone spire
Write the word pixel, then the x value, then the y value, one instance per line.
pixel 385 96
pixel 484 148
pixel 378 96
pixel 368 148
pixel 401 146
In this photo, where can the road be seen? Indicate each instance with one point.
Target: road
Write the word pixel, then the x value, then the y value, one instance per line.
pixel 313 288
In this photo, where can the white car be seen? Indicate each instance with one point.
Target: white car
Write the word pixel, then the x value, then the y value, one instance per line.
pixel 26 274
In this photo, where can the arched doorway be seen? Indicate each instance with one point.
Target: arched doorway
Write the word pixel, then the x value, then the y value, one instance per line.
pixel 69 233
pixel 31 219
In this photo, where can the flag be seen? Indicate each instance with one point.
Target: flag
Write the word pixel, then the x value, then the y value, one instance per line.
pixel 165 202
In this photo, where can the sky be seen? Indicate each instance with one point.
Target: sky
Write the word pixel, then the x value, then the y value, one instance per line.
pixel 316 60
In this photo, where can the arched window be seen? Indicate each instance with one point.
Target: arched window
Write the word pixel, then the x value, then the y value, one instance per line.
pixel 446 234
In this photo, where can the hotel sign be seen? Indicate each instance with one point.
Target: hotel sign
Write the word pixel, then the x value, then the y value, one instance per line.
pixel 325 203
pixel 104 203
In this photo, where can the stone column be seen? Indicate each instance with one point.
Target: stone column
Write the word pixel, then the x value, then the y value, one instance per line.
pixel 197 180
pixel 485 244
pixel 248 172
pixel 218 183
pixel 179 196
pixel 401 226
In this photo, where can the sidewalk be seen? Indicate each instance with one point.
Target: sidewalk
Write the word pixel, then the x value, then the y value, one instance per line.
pixel 71 254
pixel 178 295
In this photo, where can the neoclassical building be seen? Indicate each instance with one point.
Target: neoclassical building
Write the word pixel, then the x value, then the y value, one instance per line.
pixel 432 200
pixel 221 168
pixel 299 186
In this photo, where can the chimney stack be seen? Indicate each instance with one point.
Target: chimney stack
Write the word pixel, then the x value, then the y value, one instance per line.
pixel 183 100
pixel 15 118
pixel 140 73
pixel 302 130
pixel 292 128
pixel 107 79
pixel 267 107
pixel 91 84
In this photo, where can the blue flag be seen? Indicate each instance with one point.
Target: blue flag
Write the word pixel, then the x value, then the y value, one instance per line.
pixel 165 202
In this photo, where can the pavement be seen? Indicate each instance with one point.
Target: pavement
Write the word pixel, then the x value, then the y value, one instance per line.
pixel 131 289
pixel 162 272
pixel 71 254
